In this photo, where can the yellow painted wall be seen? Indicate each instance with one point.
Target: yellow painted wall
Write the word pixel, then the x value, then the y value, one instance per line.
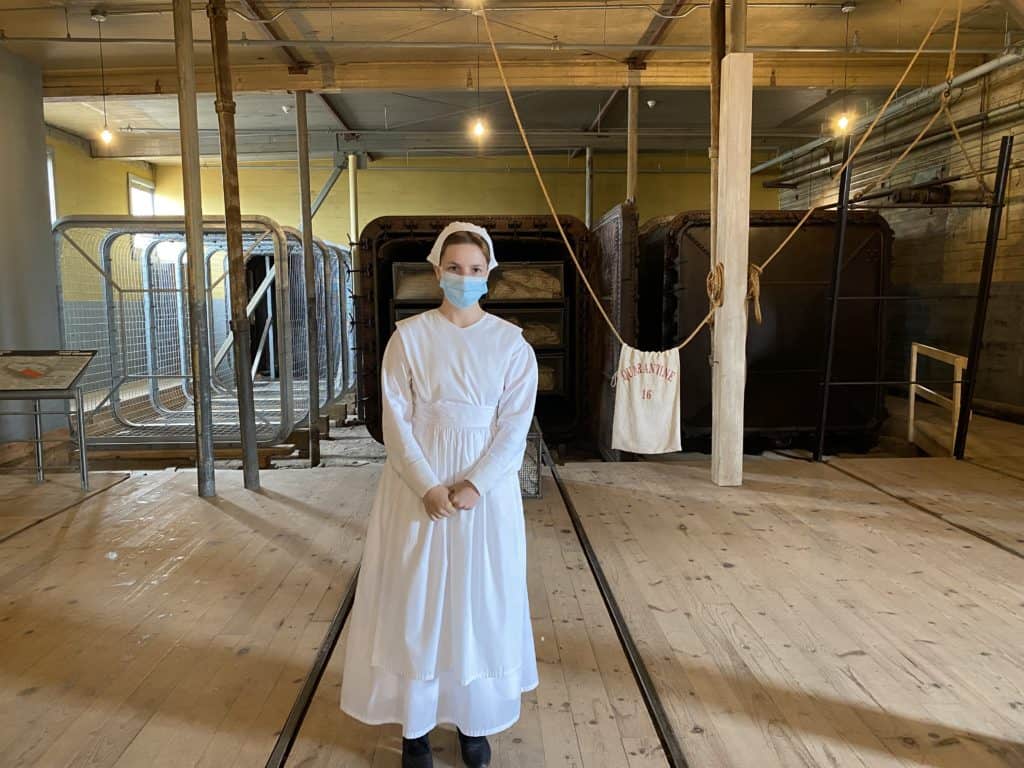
pixel 86 185
pixel 436 187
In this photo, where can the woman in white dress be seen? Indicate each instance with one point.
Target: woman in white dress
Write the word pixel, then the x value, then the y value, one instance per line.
pixel 440 626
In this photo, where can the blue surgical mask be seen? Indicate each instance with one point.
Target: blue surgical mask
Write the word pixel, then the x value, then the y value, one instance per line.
pixel 463 290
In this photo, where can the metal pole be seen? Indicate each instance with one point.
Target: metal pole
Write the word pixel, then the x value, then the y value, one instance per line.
pixel 588 213
pixel 309 272
pixel 326 190
pixel 271 340
pixel 995 218
pixel 717 54
pixel 38 422
pixel 149 322
pixel 325 265
pixel 353 211
pixel 738 26
pixel 180 299
pixel 837 266
pixel 198 318
pixel 632 150
pixel 83 462
pixel 225 105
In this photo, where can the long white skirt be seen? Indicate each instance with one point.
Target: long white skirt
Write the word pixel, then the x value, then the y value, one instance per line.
pixel 440 626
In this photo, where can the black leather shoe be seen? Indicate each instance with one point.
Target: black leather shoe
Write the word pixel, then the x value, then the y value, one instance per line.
pixel 416 753
pixel 476 752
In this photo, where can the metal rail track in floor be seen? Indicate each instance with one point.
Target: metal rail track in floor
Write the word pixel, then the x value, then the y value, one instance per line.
pixel 662 725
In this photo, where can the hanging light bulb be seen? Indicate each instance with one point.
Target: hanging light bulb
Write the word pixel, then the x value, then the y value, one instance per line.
pixel 105 135
pixel 479 128
pixel 843 123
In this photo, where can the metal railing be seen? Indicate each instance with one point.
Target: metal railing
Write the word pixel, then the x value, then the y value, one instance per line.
pixel 122 290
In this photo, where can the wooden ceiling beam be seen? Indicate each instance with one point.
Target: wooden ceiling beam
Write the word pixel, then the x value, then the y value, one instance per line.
pixel 867 71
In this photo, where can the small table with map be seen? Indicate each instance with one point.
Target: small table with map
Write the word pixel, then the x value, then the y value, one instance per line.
pixel 37 375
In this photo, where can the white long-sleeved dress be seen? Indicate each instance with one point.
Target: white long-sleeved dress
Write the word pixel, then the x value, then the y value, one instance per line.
pixel 440 625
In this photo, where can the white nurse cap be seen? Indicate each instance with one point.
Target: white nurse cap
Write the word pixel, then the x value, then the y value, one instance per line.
pixel 460 226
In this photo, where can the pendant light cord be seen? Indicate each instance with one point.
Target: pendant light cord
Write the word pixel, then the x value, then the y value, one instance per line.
pixel 103 76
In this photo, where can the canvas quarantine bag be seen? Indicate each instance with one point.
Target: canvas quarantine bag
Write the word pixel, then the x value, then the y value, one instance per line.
pixel 646 418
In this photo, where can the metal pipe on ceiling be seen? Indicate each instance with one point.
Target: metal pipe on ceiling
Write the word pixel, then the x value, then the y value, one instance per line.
pixel 965 126
pixel 901 106
pixel 340 5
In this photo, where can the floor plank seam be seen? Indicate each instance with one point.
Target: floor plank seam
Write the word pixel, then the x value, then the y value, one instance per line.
pixel 937 515
pixel 72 505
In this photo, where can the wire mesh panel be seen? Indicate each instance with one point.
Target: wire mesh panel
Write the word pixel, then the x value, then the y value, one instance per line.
pixel 324 328
pixel 529 472
pixel 124 292
pixel 337 322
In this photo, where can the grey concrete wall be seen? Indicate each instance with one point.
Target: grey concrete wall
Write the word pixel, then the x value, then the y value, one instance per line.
pixel 28 274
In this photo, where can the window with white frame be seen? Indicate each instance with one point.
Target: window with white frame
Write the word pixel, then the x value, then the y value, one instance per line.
pixel 51 185
pixel 141 196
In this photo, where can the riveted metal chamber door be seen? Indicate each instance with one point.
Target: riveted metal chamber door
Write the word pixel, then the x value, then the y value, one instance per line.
pixel 612 271
pixel 786 353
pixel 535 286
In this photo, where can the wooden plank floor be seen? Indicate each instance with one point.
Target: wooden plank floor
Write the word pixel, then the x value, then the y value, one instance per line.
pixel 587 712
pixel 24 502
pixel 148 627
pixel 988 502
pixel 987 439
pixel 808 619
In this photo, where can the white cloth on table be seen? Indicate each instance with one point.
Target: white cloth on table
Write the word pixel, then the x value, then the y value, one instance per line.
pixel 440 625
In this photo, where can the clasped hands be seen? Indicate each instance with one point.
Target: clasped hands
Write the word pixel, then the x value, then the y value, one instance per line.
pixel 442 501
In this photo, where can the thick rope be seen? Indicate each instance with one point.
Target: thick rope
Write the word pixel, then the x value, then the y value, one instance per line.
pixel 540 179
pixel 963 150
pixel 716 290
pixel 909 148
pixel 892 95
pixel 715 278
pixel 943 108
pixel 755 271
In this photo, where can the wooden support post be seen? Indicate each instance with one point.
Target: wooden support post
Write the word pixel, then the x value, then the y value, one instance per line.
pixel 717 12
pixel 198 321
pixel 225 106
pixel 588 211
pixel 738 26
pixel 309 272
pixel 729 367
pixel 632 145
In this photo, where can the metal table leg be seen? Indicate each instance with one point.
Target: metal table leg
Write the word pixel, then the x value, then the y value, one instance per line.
pixel 83 462
pixel 40 477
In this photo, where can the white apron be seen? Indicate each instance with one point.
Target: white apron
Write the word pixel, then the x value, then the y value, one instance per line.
pixel 440 626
